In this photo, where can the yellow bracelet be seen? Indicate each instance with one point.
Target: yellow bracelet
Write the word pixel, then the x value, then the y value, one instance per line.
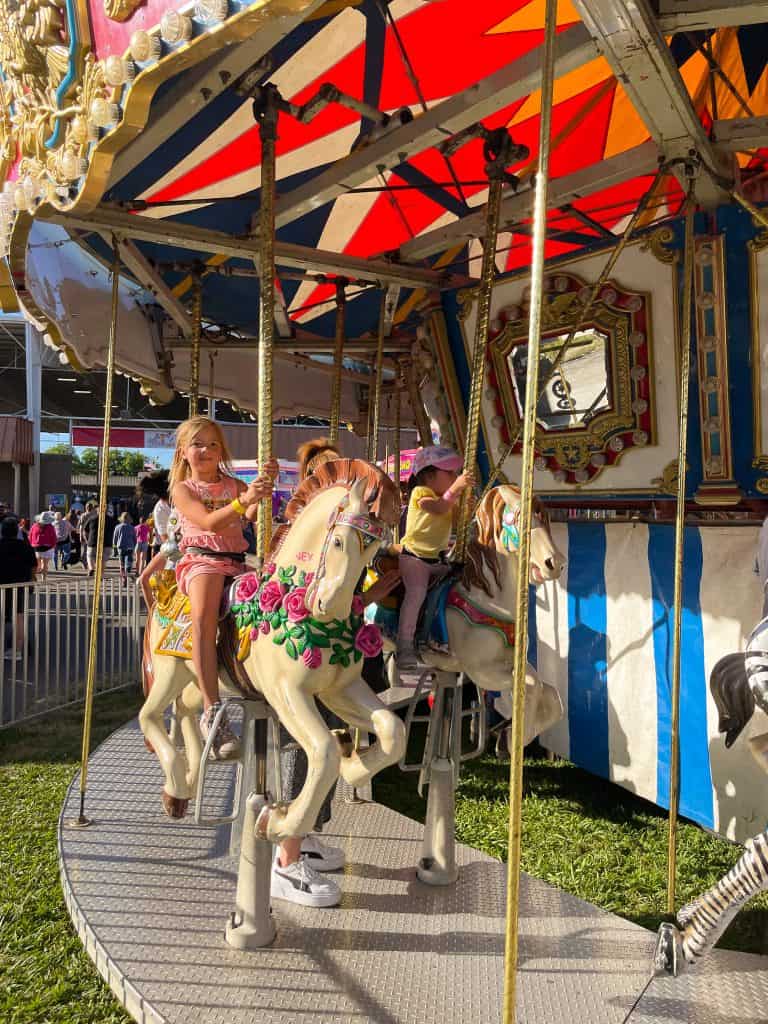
pixel 238 506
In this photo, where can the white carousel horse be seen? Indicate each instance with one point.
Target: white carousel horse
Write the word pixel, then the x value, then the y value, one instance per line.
pixel 739 683
pixel 298 632
pixel 480 605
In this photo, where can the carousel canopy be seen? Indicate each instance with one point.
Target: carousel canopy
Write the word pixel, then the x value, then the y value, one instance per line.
pixel 153 142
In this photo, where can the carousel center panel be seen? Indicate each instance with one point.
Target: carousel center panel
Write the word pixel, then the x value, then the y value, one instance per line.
pixel 149 898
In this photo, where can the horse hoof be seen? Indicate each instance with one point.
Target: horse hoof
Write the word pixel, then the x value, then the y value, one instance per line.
pixel 174 806
pixel 344 739
pixel 668 956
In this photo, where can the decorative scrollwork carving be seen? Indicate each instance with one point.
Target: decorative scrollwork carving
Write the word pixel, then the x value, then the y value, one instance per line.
pixel 121 10
pixel 656 243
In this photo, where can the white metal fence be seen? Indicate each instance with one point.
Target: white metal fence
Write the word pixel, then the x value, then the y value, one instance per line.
pixel 44 643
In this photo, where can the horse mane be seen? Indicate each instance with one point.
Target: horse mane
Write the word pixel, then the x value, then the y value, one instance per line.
pixel 381 494
pixel 481 555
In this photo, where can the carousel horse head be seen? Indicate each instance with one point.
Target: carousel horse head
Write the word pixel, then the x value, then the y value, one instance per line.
pixel 355 506
pixel 494 547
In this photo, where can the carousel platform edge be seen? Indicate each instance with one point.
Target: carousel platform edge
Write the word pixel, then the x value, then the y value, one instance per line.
pixel 149 899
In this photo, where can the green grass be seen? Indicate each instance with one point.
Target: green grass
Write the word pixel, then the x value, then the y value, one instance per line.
pixel 588 837
pixel 45 975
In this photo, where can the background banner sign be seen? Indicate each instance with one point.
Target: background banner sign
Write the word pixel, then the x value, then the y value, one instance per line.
pixel 119 437
pixel 123 437
pixel 406 464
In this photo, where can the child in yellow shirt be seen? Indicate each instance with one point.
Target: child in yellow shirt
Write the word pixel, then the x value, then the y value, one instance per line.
pixel 435 488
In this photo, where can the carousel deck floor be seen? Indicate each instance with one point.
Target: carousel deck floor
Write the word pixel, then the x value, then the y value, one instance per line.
pixel 149 898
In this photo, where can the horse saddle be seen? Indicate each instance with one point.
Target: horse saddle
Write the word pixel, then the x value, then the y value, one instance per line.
pixel 432 628
pixel 172 612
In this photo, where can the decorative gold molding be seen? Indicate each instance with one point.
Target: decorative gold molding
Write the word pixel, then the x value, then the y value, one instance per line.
pixel 667 482
pixel 761 485
pixel 121 10
pixel 577 454
pixel 656 243
pixel 755 247
pixel 712 359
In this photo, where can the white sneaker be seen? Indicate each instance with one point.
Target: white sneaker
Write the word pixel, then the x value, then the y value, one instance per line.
pixel 300 883
pixel 321 856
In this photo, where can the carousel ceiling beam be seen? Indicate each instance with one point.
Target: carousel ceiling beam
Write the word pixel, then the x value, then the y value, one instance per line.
pixel 690 15
pixel 739 134
pixel 195 239
pixel 138 265
pixel 191 95
pixel 301 344
pixel 628 35
pixel 515 207
pixel 486 97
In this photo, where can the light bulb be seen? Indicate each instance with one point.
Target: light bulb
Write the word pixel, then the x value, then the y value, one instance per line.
pixel 32 187
pixel 72 165
pixel 63 359
pixel 145 47
pixel 175 27
pixel 211 10
pixel 103 113
pixel 117 70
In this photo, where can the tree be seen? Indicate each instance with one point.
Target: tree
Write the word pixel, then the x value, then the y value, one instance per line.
pixel 121 463
pixel 67 449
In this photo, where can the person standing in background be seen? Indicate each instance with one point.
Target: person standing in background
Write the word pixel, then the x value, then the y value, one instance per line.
pixel 125 541
pixel 89 536
pixel 42 537
pixel 17 565
pixel 142 545
pixel 63 547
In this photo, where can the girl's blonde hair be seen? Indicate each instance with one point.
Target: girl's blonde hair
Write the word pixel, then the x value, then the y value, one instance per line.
pixel 185 435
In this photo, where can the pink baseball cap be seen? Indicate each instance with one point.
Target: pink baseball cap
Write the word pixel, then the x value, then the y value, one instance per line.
pixel 436 456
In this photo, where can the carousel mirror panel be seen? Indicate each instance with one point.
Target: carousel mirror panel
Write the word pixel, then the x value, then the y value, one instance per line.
pixel 597 402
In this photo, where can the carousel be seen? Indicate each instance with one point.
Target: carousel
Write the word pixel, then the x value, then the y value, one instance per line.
pixel 533 230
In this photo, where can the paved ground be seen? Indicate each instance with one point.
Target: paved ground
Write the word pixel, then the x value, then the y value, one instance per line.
pixel 150 897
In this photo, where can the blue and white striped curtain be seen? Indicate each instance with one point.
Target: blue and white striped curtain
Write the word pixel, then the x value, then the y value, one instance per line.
pixel 604 638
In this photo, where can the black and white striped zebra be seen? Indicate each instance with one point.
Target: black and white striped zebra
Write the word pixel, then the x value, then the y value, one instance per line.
pixel 701 922
pixel 739 684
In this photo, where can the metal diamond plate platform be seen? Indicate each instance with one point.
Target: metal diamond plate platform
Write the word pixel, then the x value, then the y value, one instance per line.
pixel 150 897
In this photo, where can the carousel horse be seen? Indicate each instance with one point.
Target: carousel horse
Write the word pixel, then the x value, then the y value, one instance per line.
pixel 739 683
pixel 294 633
pixel 479 606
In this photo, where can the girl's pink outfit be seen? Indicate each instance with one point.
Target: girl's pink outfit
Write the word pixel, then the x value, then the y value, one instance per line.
pixel 213 496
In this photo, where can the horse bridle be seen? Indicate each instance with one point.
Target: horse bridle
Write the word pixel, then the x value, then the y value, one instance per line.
pixel 364 526
pixel 510 532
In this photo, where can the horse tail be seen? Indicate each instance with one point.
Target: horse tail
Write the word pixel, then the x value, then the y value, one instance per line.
pixel 729 686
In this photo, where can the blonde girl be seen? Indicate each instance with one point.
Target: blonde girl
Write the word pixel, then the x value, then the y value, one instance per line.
pixel 210 503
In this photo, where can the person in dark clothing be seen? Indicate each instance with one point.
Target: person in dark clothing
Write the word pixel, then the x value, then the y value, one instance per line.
pixel 17 565
pixel 89 534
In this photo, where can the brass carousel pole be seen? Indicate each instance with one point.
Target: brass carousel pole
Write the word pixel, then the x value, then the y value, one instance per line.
pixel 338 355
pixel 758 215
pixel 419 414
pixel 265 109
pixel 81 821
pixel 194 354
pixel 375 417
pixel 496 174
pixel 526 505
pixel 685 373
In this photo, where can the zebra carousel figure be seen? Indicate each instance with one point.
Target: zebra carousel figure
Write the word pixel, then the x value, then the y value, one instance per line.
pixel 739 683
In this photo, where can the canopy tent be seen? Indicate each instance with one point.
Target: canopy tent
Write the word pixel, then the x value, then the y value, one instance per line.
pixel 176 171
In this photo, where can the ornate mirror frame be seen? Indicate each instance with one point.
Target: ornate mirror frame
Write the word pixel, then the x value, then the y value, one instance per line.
pixel 579 453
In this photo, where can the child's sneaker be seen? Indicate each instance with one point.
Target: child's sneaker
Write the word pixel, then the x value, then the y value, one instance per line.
pixel 321 856
pixel 300 883
pixel 225 742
